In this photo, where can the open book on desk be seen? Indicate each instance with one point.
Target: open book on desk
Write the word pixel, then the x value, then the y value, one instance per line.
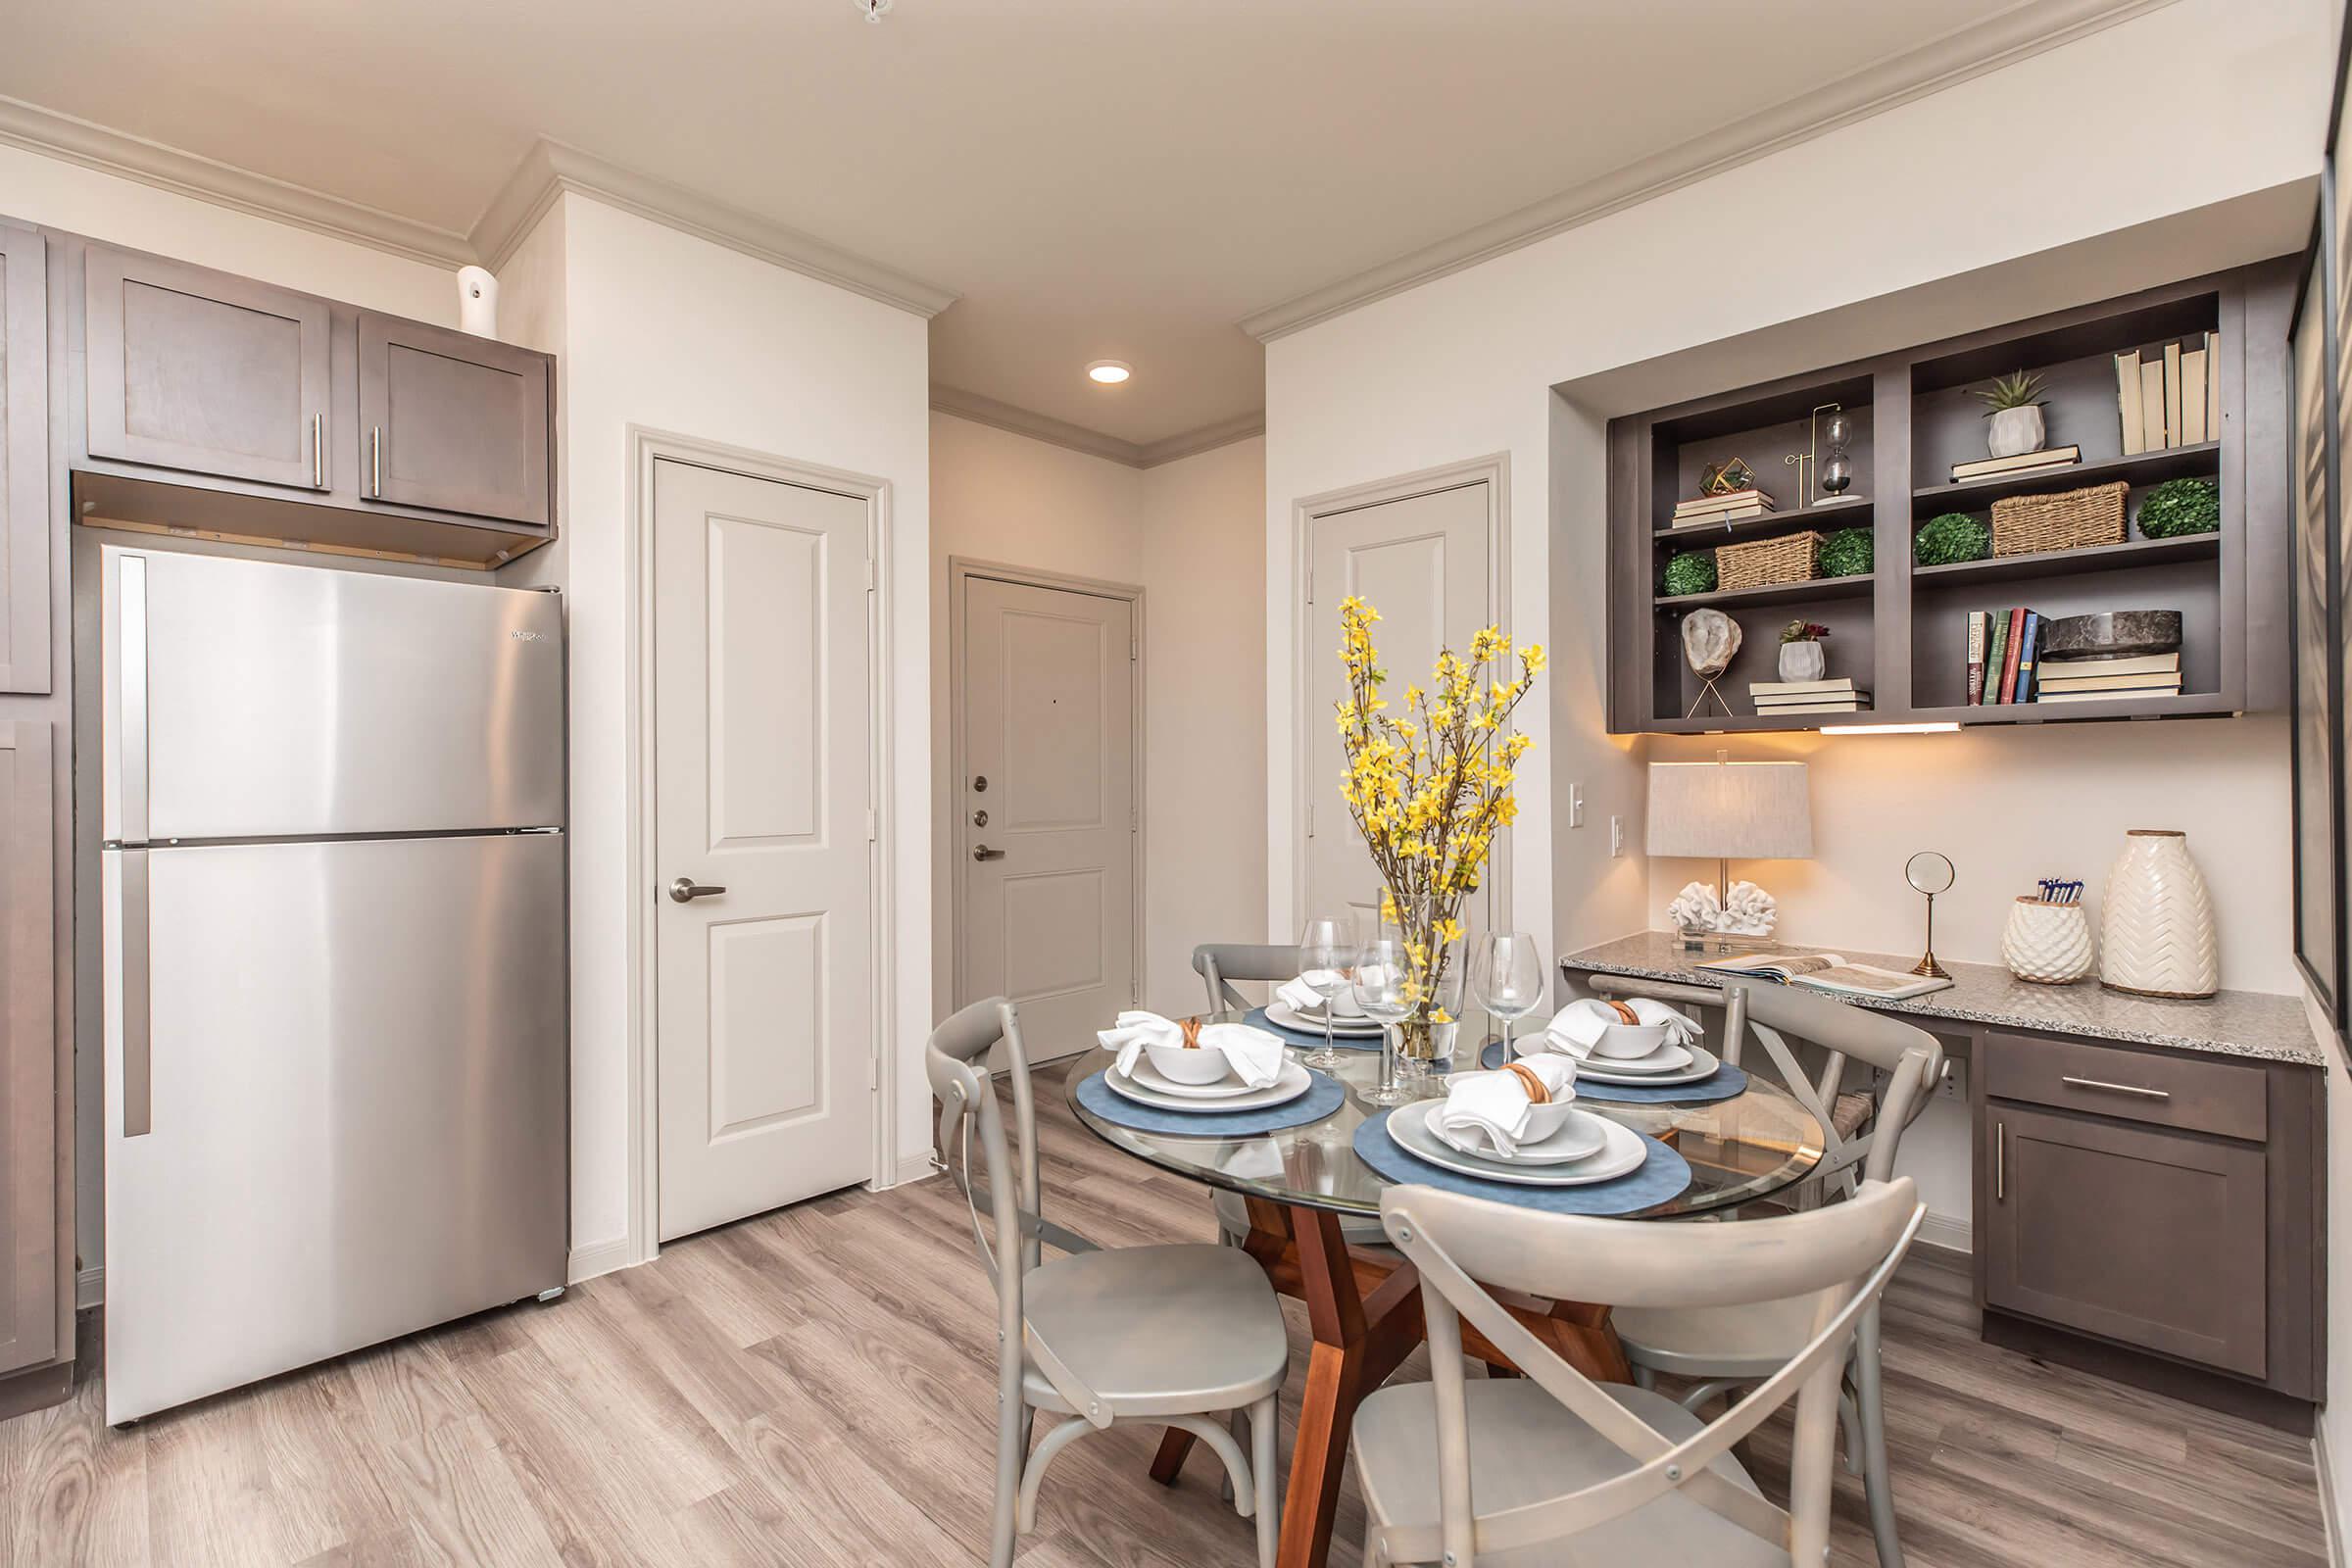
pixel 1830 972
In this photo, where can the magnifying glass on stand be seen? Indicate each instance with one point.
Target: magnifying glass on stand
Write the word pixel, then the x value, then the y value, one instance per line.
pixel 1930 872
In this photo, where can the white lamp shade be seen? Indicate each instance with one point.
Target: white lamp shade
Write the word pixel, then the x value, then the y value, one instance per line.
pixel 1730 812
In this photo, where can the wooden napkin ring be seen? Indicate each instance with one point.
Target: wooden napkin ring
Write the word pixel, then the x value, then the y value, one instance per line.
pixel 1192 1034
pixel 1624 1011
pixel 1537 1092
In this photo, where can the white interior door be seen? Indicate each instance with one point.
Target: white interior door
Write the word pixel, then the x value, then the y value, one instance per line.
pixel 1422 562
pixel 763 794
pixel 1046 809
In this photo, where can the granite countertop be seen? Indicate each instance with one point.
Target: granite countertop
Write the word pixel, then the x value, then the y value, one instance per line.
pixel 2233 1023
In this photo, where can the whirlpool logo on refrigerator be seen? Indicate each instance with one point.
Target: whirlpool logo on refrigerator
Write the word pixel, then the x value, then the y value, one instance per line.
pixel 528 636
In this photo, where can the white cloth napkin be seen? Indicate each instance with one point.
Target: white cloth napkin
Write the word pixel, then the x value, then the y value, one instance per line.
pixel 1253 1055
pixel 1302 992
pixel 1494 1108
pixel 1578 1027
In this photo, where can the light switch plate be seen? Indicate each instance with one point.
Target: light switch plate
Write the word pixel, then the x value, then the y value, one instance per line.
pixel 1616 835
pixel 1575 806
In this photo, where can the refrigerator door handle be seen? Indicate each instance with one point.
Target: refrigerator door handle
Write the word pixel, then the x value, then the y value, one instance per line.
pixel 132 699
pixel 138 1040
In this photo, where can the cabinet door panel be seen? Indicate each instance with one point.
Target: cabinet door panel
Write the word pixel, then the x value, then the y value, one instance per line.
pixel 452 422
pixel 205 371
pixel 2156 1238
pixel 24 461
pixel 28 1261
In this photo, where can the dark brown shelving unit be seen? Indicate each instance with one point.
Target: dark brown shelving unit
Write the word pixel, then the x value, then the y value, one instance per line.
pixel 1900 630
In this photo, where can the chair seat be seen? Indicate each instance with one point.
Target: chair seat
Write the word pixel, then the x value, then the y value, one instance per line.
pixel 1232 1218
pixel 1754 1340
pixel 1850 1111
pixel 1157 1330
pixel 1526 1447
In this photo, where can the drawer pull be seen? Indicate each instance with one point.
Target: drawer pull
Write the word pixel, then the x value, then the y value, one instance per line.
pixel 2116 1089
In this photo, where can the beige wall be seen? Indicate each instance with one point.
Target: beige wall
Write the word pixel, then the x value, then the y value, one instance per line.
pixel 1188 535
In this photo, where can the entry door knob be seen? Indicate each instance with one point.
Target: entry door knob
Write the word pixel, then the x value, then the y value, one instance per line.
pixel 686 890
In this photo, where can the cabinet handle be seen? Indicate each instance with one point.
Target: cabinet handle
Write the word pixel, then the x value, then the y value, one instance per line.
pixel 317 451
pixel 375 462
pixel 2116 1089
pixel 2000 1161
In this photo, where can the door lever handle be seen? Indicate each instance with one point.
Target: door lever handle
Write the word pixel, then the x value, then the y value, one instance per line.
pixel 686 890
pixel 984 853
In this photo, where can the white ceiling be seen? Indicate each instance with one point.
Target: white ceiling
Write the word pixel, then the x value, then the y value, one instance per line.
pixel 1120 179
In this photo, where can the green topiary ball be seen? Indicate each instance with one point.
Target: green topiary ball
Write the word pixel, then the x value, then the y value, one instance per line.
pixel 1848 554
pixel 1691 572
pixel 2180 507
pixel 1953 537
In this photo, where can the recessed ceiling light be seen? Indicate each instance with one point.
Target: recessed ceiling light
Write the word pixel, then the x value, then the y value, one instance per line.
pixel 1111 373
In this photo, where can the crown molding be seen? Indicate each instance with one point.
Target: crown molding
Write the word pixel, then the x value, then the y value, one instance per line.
pixel 1045 427
pixel 552 168
pixel 183 174
pixel 2017 33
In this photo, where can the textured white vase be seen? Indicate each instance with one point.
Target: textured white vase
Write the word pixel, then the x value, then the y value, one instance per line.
pixel 2156 935
pixel 2014 431
pixel 2048 943
pixel 1803 660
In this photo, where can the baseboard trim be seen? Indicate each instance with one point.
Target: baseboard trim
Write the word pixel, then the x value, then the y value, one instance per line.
pixel 915 1167
pixel 1948 1233
pixel 89 1289
pixel 600 1258
pixel 2331 1521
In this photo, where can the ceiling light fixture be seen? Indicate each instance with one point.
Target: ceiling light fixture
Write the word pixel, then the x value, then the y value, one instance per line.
pixel 1109 372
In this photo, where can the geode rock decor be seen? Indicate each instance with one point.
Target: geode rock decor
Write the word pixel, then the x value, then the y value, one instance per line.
pixel 1710 639
pixel 2112 634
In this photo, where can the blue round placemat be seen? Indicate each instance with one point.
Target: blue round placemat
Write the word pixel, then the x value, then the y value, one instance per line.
pixel 1661 1177
pixel 1323 1097
pixel 1727 1082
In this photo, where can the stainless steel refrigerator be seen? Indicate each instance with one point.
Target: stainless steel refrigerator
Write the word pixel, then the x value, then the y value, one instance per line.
pixel 334 960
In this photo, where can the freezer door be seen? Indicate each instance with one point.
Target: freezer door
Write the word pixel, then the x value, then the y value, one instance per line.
pixel 335 1099
pixel 251 700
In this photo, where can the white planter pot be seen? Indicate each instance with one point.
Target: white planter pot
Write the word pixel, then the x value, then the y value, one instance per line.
pixel 2048 943
pixel 1803 660
pixel 2156 935
pixel 2014 431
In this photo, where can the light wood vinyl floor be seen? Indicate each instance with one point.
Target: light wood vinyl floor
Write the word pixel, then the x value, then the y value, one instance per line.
pixel 816 1387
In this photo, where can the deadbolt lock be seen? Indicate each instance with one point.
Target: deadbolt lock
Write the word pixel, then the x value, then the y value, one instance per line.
pixel 980 783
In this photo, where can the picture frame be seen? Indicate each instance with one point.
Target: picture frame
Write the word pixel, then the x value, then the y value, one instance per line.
pixel 2315 606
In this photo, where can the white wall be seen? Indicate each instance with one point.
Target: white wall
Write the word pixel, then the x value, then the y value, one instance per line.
pixel 668 332
pixel 1188 535
pixel 1462 367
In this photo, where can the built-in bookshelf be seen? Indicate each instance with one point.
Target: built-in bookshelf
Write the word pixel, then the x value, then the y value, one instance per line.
pixel 1900 630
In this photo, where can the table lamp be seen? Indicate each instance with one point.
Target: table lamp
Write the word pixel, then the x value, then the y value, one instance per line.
pixel 1725 810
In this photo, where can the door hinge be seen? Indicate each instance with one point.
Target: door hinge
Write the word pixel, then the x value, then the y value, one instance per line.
pixel 873 1072
pixel 872 828
pixel 1310 582
pixel 871 580
pixel 1130 653
pixel 1310 820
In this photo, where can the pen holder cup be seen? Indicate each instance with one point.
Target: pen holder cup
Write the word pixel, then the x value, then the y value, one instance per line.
pixel 2048 943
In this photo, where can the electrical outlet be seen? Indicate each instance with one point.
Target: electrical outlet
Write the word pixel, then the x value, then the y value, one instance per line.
pixel 1954 1086
pixel 1575 806
pixel 1616 835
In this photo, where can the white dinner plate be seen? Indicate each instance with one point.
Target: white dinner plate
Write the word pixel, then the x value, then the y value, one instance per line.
pixel 1697 1065
pixel 1622 1150
pixel 1148 1088
pixel 1580 1137
pixel 1311 1023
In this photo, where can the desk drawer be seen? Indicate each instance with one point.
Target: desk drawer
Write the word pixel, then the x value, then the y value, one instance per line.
pixel 2200 1093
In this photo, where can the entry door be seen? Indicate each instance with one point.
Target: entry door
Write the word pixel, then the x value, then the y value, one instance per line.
pixel 1047 820
pixel 1422 562
pixel 764 822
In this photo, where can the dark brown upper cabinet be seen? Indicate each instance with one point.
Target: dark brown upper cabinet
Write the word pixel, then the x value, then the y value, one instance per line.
pixel 24 461
pixel 205 371
pixel 451 421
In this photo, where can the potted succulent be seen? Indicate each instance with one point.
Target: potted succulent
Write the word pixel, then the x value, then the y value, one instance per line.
pixel 1802 657
pixel 2013 403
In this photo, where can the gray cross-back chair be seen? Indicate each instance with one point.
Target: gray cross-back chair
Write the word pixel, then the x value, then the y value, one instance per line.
pixel 1553 1470
pixel 1727 1347
pixel 1219 964
pixel 1165 1335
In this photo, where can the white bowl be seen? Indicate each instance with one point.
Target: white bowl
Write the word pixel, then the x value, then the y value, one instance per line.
pixel 1187 1064
pixel 1344 1005
pixel 1550 1116
pixel 1625 1042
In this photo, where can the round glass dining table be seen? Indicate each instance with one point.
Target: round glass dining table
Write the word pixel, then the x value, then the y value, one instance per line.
pixel 1364 1305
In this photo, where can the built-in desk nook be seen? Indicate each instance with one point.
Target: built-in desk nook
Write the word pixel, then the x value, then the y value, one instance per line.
pixel 2148 1175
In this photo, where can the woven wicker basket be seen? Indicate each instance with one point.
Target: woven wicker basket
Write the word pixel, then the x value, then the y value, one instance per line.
pixel 1767 562
pixel 2029 525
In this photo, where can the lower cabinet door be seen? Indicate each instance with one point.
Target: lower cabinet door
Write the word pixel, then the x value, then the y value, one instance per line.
pixel 2154 1238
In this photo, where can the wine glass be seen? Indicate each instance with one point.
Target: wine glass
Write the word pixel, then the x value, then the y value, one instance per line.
pixel 1325 949
pixel 1382 984
pixel 1506 978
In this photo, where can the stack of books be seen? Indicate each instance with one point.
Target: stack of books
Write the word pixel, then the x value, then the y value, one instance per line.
pixel 1707 511
pixel 1777 697
pixel 2169 397
pixel 2017 464
pixel 2092 680
pixel 2000 656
